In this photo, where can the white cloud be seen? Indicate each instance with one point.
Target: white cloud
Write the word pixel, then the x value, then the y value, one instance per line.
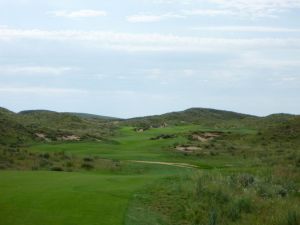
pixel 33 70
pixel 247 29
pixel 39 90
pixel 257 8
pixel 146 18
pixel 149 42
pixel 255 60
pixel 245 8
pixel 184 2
pixel 79 14
pixel 208 12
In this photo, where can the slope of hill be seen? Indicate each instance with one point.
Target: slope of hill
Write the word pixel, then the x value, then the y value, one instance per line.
pixel 287 129
pixel 55 120
pixel 50 125
pixel 43 125
pixel 93 116
pixel 193 116
pixel 11 131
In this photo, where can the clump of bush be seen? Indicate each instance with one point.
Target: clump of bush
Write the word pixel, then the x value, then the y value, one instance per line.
pixel 213 198
pixel 245 180
pixel 242 205
pixel 163 136
pixel 292 218
pixel 88 159
pixel 57 168
pixel 87 166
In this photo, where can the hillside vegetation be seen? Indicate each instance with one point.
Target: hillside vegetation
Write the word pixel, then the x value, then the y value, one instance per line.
pixel 42 125
pixel 195 167
pixel 193 115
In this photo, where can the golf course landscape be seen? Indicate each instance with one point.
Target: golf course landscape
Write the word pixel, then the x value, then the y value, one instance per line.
pixel 150 112
pixel 195 167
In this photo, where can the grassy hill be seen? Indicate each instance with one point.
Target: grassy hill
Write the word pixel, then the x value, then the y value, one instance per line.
pixel 211 118
pixel 93 116
pixel 203 116
pixel 43 125
pixel 11 130
pixel 288 129
pixel 49 125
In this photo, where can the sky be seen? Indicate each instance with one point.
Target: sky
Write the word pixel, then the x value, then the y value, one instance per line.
pixel 141 57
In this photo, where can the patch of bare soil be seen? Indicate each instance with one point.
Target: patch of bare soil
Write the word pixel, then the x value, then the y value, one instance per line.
pixel 70 138
pixel 205 137
pixel 42 136
pixel 140 130
pixel 184 165
pixel 187 149
pixel 60 138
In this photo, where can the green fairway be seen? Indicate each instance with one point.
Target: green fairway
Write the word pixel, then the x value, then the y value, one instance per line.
pixel 53 198
pixel 135 178
pixel 131 145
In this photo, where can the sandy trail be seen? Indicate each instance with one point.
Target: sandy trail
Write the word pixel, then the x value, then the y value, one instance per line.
pixel 184 165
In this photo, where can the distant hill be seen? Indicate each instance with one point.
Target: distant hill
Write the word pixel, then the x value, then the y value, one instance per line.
pixel 44 118
pixel 32 125
pixel 5 111
pixel 288 129
pixel 38 111
pixel 192 115
pixel 11 130
pixel 44 125
pixel 93 116
pixel 280 117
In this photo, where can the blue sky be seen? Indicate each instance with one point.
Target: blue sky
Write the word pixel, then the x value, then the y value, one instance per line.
pixel 141 57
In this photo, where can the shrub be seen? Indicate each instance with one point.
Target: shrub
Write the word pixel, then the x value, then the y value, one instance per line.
pixel 234 212
pixel 265 191
pixel 34 168
pixel 57 168
pixel 221 197
pixel 245 205
pixel 246 180
pixel 200 189
pixel 88 159
pixel 87 166
pixel 46 155
pixel 3 166
pixel 69 164
pixel 282 192
pixel 213 217
pixel 293 218
pixel 44 163
pixel 297 162
pixel 213 153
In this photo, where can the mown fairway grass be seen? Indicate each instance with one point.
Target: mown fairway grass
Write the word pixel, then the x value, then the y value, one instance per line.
pixel 59 198
pixel 90 198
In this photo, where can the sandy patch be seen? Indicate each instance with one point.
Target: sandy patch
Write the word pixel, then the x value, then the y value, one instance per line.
pixel 184 165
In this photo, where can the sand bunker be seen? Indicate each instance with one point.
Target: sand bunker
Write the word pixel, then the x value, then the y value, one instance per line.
pixel 207 136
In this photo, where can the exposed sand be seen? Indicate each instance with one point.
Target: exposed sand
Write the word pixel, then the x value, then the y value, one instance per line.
pixel 184 165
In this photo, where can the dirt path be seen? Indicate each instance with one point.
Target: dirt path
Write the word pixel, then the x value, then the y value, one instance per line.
pixel 184 165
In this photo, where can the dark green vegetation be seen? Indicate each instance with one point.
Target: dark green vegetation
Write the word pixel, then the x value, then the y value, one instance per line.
pixel 47 126
pixel 196 167
pixel 216 198
pixel 96 117
pixel 193 115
